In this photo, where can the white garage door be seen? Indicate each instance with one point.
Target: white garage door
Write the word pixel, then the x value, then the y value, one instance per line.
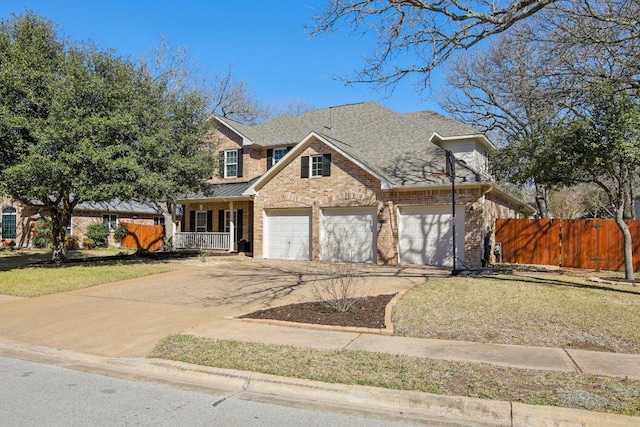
pixel 425 235
pixel 287 234
pixel 348 234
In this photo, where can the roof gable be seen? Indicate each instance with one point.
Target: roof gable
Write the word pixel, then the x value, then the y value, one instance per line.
pixel 397 148
pixel 297 150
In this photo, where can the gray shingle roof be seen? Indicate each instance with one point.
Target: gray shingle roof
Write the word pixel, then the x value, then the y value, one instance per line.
pixel 395 146
pixel 223 191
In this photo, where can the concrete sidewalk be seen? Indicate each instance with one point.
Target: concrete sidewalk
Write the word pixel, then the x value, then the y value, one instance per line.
pixel 515 356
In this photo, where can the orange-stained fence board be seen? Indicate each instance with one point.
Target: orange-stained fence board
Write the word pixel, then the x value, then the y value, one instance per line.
pixel 142 236
pixel 594 244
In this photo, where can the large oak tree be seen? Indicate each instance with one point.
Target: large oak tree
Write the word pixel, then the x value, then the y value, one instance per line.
pixel 79 123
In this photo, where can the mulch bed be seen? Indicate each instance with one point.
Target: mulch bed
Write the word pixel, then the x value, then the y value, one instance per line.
pixel 367 313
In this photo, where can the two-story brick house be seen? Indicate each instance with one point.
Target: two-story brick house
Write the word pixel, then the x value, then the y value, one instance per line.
pixel 355 183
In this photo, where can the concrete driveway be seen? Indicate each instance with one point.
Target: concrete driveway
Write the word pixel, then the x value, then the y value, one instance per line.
pixel 127 318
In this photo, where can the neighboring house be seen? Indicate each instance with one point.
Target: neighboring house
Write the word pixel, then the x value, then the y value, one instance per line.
pixel 17 220
pixel 356 183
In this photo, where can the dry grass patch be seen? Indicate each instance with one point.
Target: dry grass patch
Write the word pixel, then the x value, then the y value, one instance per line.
pixel 549 310
pixel 409 373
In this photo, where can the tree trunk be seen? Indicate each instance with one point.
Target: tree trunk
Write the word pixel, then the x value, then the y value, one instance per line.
pixel 629 274
pixel 629 208
pixel 59 221
pixel 542 200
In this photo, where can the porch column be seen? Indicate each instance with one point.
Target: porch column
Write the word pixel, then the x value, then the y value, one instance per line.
pixel 232 227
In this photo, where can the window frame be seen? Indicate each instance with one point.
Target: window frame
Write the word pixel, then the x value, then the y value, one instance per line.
pixel 278 154
pixel 227 163
pixel 315 166
pixel 158 220
pixel 108 220
pixel 201 228
pixel 9 211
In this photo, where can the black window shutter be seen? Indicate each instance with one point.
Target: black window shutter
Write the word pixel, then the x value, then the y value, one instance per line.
pixel 192 221
pixel 209 221
pixel 269 158
pixel 304 168
pixel 221 164
pixel 183 222
pixel 239 225
pixel 326 164
pixel 240 152
pixel 221 220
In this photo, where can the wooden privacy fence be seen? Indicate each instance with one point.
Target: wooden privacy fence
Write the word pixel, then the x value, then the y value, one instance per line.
pixel 141 236
pixel 585 243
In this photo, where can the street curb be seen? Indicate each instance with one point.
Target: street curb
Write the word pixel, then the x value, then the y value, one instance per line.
pixel 427 405
pixel 363 399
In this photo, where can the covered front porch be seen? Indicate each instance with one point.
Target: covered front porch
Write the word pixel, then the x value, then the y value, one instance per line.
pixel 218 219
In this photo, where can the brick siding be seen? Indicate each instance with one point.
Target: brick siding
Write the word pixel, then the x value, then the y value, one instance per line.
pixel 348 186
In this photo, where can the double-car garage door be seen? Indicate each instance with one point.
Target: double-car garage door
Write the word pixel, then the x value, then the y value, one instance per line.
pixel 346 234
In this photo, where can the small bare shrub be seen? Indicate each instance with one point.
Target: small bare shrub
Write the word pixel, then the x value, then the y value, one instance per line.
pixel 339 290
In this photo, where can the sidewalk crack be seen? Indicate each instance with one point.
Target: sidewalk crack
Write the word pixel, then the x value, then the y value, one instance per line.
pixel 351 342
pixel 573 361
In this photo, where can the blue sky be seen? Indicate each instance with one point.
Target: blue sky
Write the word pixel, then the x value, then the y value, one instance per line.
pixel 264 40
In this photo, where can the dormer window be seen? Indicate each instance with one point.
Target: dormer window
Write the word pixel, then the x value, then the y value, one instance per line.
pixel 231 163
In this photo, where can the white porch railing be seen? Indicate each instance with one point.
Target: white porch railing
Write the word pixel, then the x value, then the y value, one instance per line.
pixel 201 241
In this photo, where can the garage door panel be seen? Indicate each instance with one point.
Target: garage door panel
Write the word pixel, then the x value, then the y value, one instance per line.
pixel 348 235
pixel 425 235
pixel 287 234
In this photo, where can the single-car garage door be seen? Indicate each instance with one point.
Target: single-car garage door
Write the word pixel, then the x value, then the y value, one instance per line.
pixel 425 235
pixel 348 234
pixel 287 234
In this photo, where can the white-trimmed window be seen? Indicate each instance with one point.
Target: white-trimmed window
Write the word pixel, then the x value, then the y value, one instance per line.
pixel 158 220
pixel 201 221
pixel 279 153
pixel 9 223
pixel 231 163
pixel 316 165
pixel 69 229
pixel 110 221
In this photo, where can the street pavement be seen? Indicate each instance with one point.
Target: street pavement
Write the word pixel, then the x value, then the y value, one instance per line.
pixel 35 394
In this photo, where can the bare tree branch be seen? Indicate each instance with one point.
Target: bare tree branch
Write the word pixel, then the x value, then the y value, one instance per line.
pixel 415 36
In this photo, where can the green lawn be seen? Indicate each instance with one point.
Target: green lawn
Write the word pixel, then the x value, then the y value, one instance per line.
pixel 549 310
pixel 19 279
